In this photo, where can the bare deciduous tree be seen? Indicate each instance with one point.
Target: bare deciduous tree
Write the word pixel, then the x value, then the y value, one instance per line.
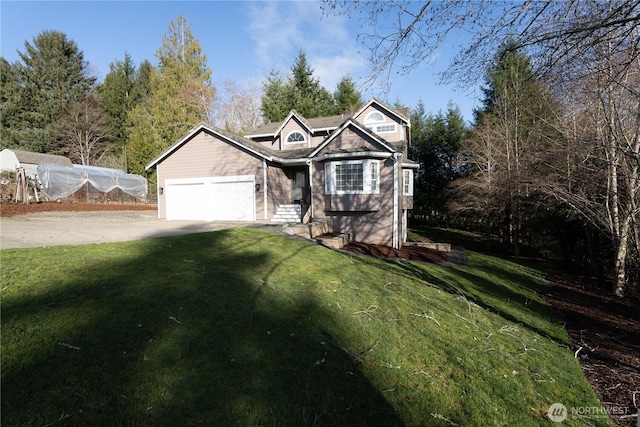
pixel 600 175
pixel 238 110
pixel 403 34
pixel 82 131
pixel 587 51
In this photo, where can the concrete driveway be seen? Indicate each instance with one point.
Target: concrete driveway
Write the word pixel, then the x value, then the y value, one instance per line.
pixel 80 228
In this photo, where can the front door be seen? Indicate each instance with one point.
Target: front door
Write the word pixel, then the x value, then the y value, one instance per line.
pixel 299 185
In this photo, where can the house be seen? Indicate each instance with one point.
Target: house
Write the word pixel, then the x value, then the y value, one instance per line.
pixel 352 171
pixel 13 159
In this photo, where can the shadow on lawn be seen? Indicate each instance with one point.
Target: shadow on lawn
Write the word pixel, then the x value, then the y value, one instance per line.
pixel 180 334
pixel 498 289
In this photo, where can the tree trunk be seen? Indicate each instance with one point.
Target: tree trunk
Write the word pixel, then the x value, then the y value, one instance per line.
pixel 621 258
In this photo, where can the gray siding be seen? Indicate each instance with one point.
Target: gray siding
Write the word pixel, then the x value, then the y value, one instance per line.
pixel 374 226
pixel 351 139
pixel 279 191
pixel 399 135
pixel 291 126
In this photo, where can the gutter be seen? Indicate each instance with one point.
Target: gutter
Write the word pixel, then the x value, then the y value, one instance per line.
pixel 310 165
pixel 396 201
pixel 355 154
pixel 265 189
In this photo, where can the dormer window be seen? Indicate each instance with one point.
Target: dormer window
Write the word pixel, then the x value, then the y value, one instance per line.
pixel 295 137
pixel 375 123
pixel 374 117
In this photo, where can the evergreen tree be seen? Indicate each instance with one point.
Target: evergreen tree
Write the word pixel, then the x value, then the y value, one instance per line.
pixel 302 92
pixel 123 88
pixel 276 101
pixel 511 134
pixel 310 98
pixel 52 74
pixel 142 88
pixel 348 100
pixel 117 97
pixel 11 121
pixel 180 96
pixel 435 142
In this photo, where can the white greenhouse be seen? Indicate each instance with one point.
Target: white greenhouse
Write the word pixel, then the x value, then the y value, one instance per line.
pixel 61 181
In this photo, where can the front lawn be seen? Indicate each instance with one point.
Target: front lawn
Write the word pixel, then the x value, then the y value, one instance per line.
pixel 244 327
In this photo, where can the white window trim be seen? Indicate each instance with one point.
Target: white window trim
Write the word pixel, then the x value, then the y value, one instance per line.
pixel 368 118
pixel 286 140
pixel 376 129
pixel 370 186
pixel 407 182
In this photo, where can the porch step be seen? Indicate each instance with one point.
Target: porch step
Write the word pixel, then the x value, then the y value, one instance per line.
pixel 336 242
pixel 287 214
pixel 311 230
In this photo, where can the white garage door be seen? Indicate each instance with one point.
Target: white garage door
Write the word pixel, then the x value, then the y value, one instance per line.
pixel 228 198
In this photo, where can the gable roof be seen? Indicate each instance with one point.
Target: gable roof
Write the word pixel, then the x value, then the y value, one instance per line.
pixel 328 123
pixel 400 114
pixel 247 144
pixel 352 122
pixel 38 158
pixel 296 115
pixel 335 124
pixel 315 124
pixel 240 142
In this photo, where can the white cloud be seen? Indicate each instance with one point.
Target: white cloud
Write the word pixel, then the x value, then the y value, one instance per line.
pixel 331 69
pixel 281 29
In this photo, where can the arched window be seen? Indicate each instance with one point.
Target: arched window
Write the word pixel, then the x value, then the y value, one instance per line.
pixel 295 137
pixel 374 117
pixel 375 122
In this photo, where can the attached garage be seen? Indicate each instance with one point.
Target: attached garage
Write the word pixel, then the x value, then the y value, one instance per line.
pixel 225 198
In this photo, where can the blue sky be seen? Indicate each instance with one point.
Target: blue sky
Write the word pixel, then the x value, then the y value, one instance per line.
pixel 242 40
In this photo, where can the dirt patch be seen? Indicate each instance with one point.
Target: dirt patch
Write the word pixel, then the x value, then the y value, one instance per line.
pixel 12 209
pixel 605 334
pixel 410 253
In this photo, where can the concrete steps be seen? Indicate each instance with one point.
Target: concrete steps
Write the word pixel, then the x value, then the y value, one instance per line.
pixel 288 214
pixel 335 242
pixel 320 232
pixel 310 230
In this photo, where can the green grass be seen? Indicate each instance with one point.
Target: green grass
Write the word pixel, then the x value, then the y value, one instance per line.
pixel 243 327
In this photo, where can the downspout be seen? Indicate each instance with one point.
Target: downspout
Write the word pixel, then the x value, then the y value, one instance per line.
pixel 310 165
pixel 396 244
pixel 264 187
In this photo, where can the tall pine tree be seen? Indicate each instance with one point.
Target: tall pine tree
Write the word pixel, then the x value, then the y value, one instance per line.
pixel 117 97
pixel 435 142
pixel 11 121
pixel 301 92
pixel 51 74
pixel 347 98
pixel 123 88
pixel 510 135
pixel 180 96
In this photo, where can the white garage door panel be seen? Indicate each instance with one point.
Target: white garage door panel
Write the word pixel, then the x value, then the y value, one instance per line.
pixel 232 201
pixel 211 199
pixel 183 200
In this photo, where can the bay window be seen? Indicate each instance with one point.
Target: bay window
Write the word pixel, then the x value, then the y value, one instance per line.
pixel 352 177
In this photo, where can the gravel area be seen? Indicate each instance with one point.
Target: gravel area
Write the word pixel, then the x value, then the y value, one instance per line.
pixel 55 228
